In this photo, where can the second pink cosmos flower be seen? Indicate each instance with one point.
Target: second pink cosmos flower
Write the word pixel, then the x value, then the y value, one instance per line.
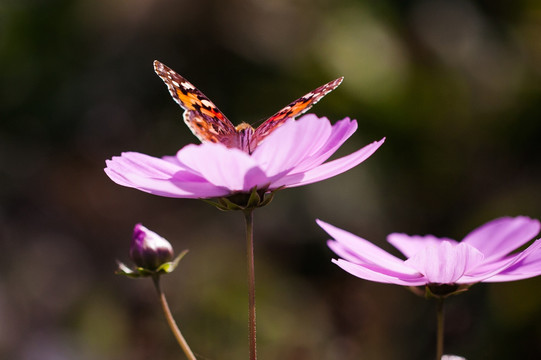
pixel 485 254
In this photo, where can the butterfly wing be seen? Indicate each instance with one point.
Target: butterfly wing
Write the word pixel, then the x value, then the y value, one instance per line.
pixel 293 110
pixel 200 114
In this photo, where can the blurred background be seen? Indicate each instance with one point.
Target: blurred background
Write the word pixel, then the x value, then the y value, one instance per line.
pixel 455 86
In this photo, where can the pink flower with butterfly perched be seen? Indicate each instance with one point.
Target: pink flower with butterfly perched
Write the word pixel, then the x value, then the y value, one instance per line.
pixel 281 152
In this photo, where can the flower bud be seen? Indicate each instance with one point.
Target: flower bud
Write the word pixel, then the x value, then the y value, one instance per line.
pixel 149 250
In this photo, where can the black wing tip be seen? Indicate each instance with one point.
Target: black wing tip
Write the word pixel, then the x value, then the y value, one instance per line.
pixel 158 67
pixel 161 68
pixel 338 81
pixel 331 85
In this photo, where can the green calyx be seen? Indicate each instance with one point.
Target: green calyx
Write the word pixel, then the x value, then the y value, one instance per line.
pixel 440 291
pixel 444 290
pixel 138 272
pixel 244 201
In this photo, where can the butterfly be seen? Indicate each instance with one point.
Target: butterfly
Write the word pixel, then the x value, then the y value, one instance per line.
pixel 210 125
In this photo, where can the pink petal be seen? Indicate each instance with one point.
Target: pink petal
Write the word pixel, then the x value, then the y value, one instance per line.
pixel 175 189
pixel 115 175
pixel 223 167
pixel 321 141
pixel 291 144
pixel 361 251
pixel 381 276
pixel 445 263
pixel 341 131
pixel 141 164
pixel 410 245
pixel 523 265
pixel 328 169
pixel 499 237
pixel 159 177
pixel 344 252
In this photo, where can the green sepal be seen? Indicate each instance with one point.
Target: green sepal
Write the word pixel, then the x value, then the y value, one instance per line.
pixel 257 197
pixel 218 205
pixel 170 266
pixel 254 200
pixel 267 198
pixel 138 272
pixel 229 205
pixel 440 291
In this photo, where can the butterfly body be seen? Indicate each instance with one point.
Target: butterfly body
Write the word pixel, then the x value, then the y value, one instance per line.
pixel 209 124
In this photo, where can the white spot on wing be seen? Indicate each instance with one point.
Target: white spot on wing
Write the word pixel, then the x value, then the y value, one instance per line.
pixel 206 103
pixel 187 85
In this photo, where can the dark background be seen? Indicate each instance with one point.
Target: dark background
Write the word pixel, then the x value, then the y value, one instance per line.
pixel 453 85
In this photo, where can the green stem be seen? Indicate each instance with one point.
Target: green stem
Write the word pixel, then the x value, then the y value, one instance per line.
pixel 171 321
pixel 248 216
pixel 439 335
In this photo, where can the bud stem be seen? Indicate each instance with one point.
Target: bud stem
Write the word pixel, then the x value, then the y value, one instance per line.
pixel 248 215
pixel 171 321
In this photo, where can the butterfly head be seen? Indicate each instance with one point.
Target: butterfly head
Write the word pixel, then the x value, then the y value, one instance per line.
pixel 244 128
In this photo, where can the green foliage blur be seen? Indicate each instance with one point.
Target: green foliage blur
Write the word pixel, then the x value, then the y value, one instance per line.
pixel 455 86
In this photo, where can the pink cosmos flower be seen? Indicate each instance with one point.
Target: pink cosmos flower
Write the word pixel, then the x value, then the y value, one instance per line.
pixel 486 254
pixel 292 155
